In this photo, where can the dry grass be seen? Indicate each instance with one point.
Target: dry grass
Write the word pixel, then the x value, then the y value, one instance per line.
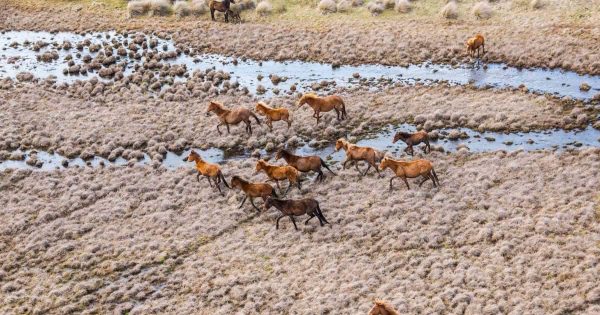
pixel 264 8
pixel 199 7
pixel 482 10
pixel 403 6
pixel 450 10
pixel 327 6
pixel 182 9
pixel 138 8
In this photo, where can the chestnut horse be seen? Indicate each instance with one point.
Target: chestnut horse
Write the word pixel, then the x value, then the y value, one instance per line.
pixel 411 169
pixel 298 207
pixel 304 163
pixel 413 139
pixel 382 308
pixel 231 116
pixel 273 114
pixel 474 43
pixel 221 6
pixel 253 190
pixel 209 170
pixel 355 153
pixel 277 173
pixel 324 104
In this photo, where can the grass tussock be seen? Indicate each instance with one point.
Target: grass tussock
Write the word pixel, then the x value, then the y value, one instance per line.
pixel 403 6
pixel 482 10
pixel 376 7
pixel 182 9
pixel 327 6
pixel 536 4
pixel 160 8
pixel 138 8
pixel 264 8
pixel 199 7
pixel 450 10
pixel 344 6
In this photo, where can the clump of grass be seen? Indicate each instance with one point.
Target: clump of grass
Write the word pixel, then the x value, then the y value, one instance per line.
pixel 450 10
pixel 375 8
pixel 403 6
pixel 344 6
pixel 247 5
pixel 199 7
pixel 182 9
pixel 536 4
pixel 160 7
pixel 388 4
pixel 482 10
pixel 327 6
pixel 264 8
pixel 357 3
pixel 138 8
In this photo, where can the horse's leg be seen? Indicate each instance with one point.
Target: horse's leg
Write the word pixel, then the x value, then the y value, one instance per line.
pixel 252 202
pixel 337 113
pixel 356 166
pixel 318 116
pixel 321 175
pixel 208 179
pixel 391 179
pixel 368 168
pixel 279 218
pixel 270 124
pixel 345 161
pixel 277 182
pixel 248 126
pixel 244 200
pixel 483 46
pixel 219 188
pixel 312 215
pixel 426 177
pixel 289 122
pixel 212 14
pixel 406 182
pixel 227 125
pixel 289 187
pixel 377 169
pixel 226 16
pixel 198 177
pixel 220 133
pixel 294 221
pixel 427 146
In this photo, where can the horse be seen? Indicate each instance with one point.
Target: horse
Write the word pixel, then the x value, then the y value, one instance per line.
pixel 231 116
pixel 221 6
pixel 382 308
pixel 411 169
pixel 277 173
pixel 355 153
pixel 253 190
pixel 474 43
pixel 209 170
pixel 413 139
pixel 304 163
pixel 290 208
pixel 324 104
pixel 273 114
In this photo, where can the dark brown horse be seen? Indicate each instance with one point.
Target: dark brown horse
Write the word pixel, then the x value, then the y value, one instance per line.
pixel 413 139
pixel 221 6
pixel 304 163
pixel 290 208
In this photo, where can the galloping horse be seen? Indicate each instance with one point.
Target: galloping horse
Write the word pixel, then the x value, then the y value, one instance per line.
pixel 413 139
pixel 221 6
pixel 474 43
pixel 253 190
pixel 231 116
pixel 304 163
pixel 273 114
pixel 209 170
pixel 355 153
pixel 324 104
pixel 410 169
pixel 296 207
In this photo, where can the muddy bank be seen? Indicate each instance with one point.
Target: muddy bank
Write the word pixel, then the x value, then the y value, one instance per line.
pixel 510 233
pixel 551 42
pixel 128 123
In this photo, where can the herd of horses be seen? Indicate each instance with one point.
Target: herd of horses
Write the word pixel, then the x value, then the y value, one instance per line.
pixel 297 164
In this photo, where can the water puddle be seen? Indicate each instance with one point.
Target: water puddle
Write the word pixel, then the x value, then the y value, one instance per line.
pixel 471 140
pixel 17 55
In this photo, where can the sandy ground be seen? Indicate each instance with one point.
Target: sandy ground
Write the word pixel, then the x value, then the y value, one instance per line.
pixel 506 233
pixel 561 35
pixel 124 123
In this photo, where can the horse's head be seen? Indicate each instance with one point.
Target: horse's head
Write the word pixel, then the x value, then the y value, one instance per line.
pixel 268 203
pixel 400 135
pixel 385 162
pixel 382 308
pixel 260 165
pixel 212 106
pixel 304 99
pixel 340 143
pixel 193 156
pixel 260 107
pixel 281 154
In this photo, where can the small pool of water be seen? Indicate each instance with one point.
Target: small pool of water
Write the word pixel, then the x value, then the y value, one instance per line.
pixel 20 57
pixel 473 141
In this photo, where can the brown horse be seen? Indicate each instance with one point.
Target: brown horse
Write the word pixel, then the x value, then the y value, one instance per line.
pixel 273 114
pixel 298 207
pixel 304 163
pixel 411 169
pixel 231 116
pixel 221 6
pixel 277 173
pixel 355 153
pixel 209 170
pixel 413 139
pixel 382 308
pixel 253 190
pixel 474 43
pixel 324 104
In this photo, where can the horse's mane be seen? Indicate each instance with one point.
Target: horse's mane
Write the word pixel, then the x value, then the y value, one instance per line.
pixel 218 104
pixel 285 152
pixel 263 104
pixel 387 306
pixel 309 96
pixel 403 133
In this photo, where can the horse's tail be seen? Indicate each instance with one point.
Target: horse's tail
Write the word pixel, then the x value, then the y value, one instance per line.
pixel 435 176
pixel 255 117
pixel 327 167
pixel 220 174
pixel 344 114
pixel 320 214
